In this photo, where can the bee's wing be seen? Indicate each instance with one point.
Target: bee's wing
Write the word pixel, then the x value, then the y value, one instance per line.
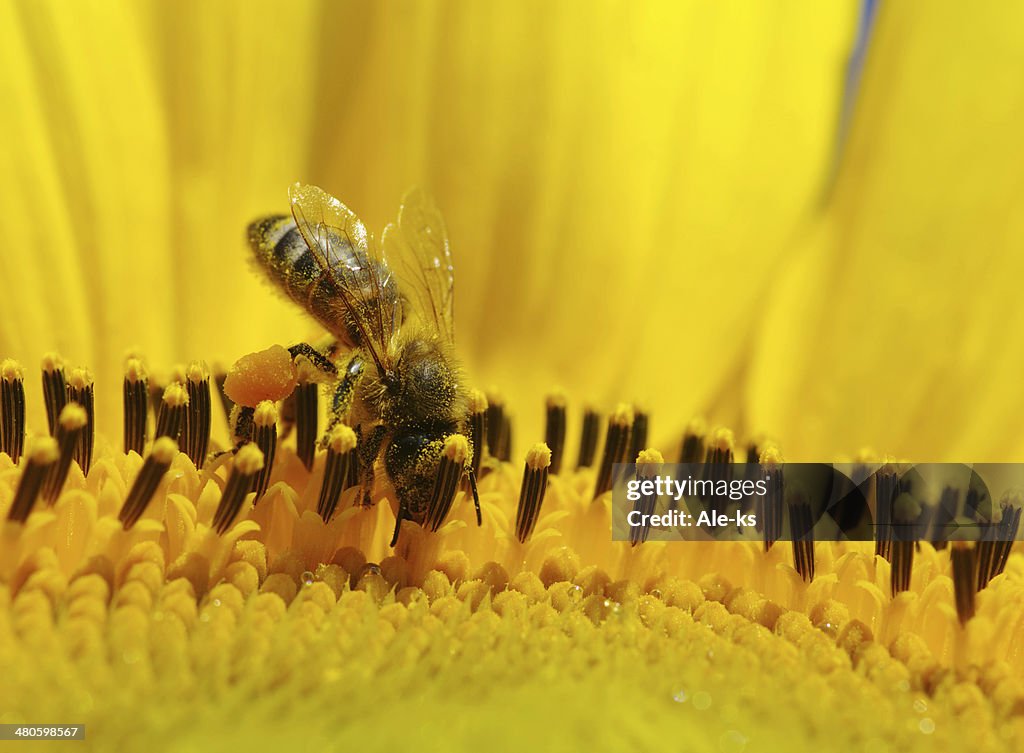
pixel 352 264
pixel 418 245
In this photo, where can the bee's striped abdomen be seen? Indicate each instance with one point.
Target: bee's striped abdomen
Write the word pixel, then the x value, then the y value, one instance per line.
pixel 282 252
pixel 342 290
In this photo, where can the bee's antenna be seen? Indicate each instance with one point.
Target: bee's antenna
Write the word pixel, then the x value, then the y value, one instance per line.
pixel 476 497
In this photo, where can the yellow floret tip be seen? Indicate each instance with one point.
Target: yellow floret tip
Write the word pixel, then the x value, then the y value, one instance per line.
pixel 135 370
pixel 44 451
pixel 73 417
pixel 538 457
pixel 342 439
pixel 175 395
pixel 723 439
pixel 196 372
pixel 649 462
pixel 79 378
pixel 456 449
pixel 52 362
pixel 164 450
pixel 622 415
pixel 266 414
pixel 10 370
pixel 477 401
pixel 249 459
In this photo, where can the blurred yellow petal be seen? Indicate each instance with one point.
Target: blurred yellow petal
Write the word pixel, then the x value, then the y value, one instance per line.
pixel 897 324
pixel 618 175
pixel 131 171
pixel 621 176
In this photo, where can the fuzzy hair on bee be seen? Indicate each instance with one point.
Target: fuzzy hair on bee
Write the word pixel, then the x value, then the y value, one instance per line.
pixel 389 308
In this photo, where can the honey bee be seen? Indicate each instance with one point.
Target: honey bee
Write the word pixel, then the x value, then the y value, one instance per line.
pixel 389 305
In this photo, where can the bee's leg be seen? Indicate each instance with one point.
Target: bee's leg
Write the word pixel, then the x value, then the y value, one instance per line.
pixel 476 496
pixel 332 349
pixel 344 393
pixel 367 451
pixel 241 421
pixel 242 425
pixel 318 359
pixel 427 471
pixel 398 521
pixel 410 460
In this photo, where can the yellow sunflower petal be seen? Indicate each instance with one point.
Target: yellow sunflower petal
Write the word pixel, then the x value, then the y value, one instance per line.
pixel 600 169
pixel 612 176
pixel 895 325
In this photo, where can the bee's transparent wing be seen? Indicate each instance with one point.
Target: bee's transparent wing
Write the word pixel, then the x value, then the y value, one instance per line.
pixel 353 268
pixel 418 245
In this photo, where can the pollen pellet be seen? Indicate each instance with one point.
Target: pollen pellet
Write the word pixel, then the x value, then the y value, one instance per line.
pixel 265 375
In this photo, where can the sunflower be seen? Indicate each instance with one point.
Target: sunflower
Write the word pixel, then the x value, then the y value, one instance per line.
pixel 788 219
